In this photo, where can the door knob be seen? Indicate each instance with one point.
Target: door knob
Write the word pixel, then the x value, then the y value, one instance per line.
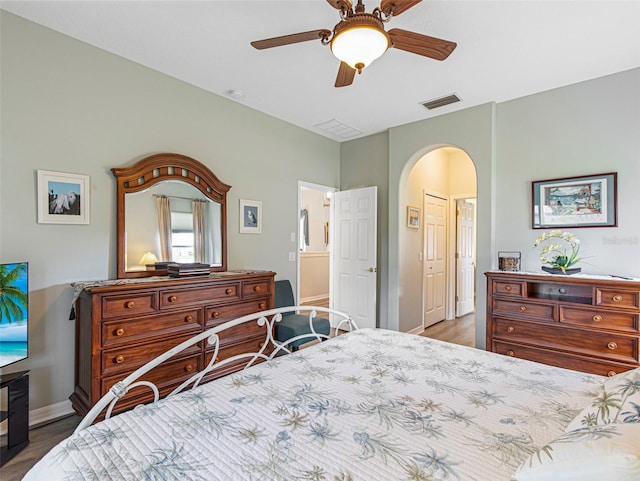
pixel 372 269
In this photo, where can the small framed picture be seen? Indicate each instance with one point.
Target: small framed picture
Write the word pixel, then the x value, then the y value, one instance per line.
pixel 413 217
pixel 63 198
pixel 250 217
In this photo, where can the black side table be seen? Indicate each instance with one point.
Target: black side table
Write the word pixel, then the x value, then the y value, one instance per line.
pixel 17 414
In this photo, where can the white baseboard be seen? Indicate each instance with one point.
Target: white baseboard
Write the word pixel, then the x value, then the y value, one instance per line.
pixel 416 330
pixel 45 415
pixel 321 297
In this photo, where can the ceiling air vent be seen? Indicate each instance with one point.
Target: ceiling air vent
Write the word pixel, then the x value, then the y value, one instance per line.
pixel 441 102
pixel 338 129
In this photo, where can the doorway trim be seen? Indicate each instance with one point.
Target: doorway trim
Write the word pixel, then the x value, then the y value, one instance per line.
pixel 323 188
pixel 451 260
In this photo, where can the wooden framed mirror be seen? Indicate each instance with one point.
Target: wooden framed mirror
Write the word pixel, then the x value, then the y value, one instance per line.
pixel 171 208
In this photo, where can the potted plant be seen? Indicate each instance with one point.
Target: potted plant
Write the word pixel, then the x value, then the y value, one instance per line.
pixel 560 252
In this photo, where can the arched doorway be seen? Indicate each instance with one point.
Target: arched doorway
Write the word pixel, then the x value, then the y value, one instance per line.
pixel 437 255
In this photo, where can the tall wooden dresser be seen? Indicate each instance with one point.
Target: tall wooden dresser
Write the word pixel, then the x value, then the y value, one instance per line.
pixel 122 325
pixel 579 322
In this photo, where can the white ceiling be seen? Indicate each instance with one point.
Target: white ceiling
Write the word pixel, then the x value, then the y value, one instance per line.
pixel 506 49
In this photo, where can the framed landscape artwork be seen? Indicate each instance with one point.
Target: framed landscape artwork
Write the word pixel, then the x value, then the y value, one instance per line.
pixel 586 201
pixel 63 198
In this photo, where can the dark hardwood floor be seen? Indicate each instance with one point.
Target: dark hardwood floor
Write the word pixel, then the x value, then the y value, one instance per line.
pixel 42 439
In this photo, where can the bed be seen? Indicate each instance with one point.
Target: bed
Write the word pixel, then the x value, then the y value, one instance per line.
pixel 368 404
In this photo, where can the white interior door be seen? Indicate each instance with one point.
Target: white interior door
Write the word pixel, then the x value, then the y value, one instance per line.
pixel 354 270
pixel 465 257
pixel 434 282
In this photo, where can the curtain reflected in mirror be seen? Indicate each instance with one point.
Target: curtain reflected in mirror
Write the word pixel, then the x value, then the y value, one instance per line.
pixel 199 209
pixel 164 226
pixel 186 226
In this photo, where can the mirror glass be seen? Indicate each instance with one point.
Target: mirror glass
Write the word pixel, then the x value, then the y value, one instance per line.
pixel 170 208
pixel 142 231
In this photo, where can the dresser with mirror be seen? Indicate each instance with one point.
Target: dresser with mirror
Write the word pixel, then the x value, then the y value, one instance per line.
pixel 123 323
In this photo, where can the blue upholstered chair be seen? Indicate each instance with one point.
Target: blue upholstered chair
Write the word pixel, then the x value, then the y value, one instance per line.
pixel 293 324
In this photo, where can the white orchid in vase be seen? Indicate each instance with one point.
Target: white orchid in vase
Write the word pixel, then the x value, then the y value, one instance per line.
pixel 557 255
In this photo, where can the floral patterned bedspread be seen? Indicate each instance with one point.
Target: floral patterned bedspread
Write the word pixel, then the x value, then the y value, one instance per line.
pixel 365 406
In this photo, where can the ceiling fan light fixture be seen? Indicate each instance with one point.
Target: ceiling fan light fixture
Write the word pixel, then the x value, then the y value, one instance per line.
pixel 360 44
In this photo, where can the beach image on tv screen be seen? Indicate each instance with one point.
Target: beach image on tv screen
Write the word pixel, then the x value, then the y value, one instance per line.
pixel 14 296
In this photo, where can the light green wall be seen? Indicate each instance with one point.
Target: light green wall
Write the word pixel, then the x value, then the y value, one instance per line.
pixel 70 107
pixel 589 128
pixel 470 130
pixel 364 163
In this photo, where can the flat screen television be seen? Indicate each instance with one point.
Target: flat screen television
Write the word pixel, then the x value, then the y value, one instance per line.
pixel 14 312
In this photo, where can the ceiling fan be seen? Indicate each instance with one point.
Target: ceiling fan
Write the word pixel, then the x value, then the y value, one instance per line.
pixel 359 37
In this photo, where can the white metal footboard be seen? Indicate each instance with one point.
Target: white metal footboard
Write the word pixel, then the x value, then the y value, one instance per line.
pixel 340 322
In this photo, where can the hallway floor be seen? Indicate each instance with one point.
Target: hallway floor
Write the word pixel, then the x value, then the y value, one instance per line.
pixel 461 330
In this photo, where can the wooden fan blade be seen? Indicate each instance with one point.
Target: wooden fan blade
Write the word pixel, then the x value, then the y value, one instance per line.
pixel 338 4
pixel 396 7
pixel 424 45
pixel 345 76
pixel 289 39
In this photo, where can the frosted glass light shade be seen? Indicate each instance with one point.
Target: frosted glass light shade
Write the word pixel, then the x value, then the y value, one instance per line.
pixel 148 258
pixel 359 46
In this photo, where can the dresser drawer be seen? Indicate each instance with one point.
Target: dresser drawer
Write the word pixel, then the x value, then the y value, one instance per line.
pixel 251 346
pixel 257 288
pixel 543 312
pixel 129 305
pixel 218 314
pixel 166 377
pixel 508 288
pixel 128 358
pixel 560 359
pixel 126 331
pixel 600 319
pixel 618 298
pixel 174 298
pixel 602 344
pixel 245 330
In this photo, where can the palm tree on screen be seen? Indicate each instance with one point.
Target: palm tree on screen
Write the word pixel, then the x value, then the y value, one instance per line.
pixel 13 300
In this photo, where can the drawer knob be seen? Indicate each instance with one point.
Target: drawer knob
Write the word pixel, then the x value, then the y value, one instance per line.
pixel 119 331
pixel 507 288
pixel 617 298
pixel 229 291
pixel 188 368
pixel 188 318
pixel 511 329
pixel 597 318
pixel 261 344
pixel 523 308
pixel 173 298
pixel 612 345
pixel 215 314
pixel 119 359
pixel 511 353
pixel 256 289
pixel 262 305
pixel 130 304
pixel 217 359
pixel 611 373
